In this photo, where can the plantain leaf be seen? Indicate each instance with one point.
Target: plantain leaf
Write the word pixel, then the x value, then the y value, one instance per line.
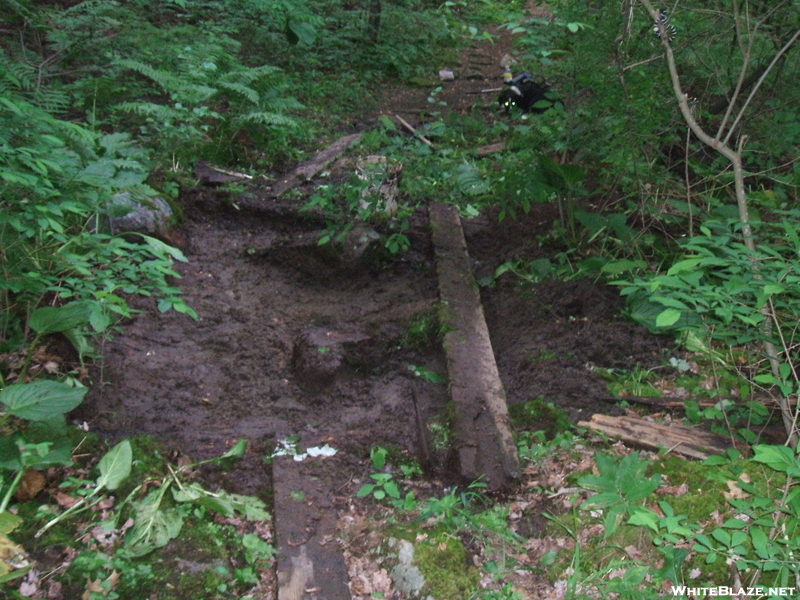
pixel 115 466
pixel 53 319
pixel 153 527
pixel 41 400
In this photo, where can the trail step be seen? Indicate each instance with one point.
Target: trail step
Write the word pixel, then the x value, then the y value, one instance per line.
pixel 485 446
pixel 310 561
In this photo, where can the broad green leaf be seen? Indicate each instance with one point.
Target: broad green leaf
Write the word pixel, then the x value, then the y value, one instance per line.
pixel 773 288
pixel 115 466
pixel 238 450
pixel 779 458
pixel 391 488
pixel 40 400
pixel 52 319
pixel 365 490
pixel 300 32
pixel 153 527
pixel 9 522
pixel 668 317
pixel 161 249
pixel 669 302
pixel 601 500
pixel 722 536
pixel 683 266
pixel 644 517
pixel 249 507
pixel 615 267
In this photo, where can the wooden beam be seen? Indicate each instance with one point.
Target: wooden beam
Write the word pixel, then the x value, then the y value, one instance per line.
pixel 485 447
pixel 310 561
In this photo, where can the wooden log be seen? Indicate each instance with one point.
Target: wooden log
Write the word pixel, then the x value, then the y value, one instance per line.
pixel 310 561
pixel 484 446
pixel 680 439
pixel 309 168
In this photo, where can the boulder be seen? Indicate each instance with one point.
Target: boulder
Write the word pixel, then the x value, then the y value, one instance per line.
pixel 149 216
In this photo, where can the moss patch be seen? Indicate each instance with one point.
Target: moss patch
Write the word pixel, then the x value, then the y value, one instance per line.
pixel 432 565
pixel 538 415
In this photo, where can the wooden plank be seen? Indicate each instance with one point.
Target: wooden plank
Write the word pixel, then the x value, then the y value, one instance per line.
pixel 309 168
pixel 680 439
pixel 485 447
pixel 310 561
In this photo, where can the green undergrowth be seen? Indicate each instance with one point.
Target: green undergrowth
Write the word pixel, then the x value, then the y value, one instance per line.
pixel 624 524
pixel 135 525
pixel 538 415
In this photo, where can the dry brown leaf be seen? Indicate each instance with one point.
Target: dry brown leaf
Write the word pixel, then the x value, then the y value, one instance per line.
pixel 735 492
pixel 32 483
pixel 64 500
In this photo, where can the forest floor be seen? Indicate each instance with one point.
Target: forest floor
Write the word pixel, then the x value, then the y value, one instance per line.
pixel 294 342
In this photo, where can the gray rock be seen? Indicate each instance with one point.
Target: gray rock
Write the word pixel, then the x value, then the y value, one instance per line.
pixel 359 245
pixel 408 579
pixel 149 216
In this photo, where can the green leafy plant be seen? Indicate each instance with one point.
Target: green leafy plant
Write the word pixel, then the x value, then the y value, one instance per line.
pixel 384 484
pixel 620 487
pixel 38 439
pixel 114 467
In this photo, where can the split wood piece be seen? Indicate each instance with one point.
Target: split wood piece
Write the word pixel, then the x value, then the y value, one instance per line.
pixel 484 445
pixel 311 167
pixel 680 439
pixel 408 126
pixel 490 149
pixel 310 561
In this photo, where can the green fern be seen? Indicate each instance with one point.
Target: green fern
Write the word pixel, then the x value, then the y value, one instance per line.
pixel 267 118
pixel 149 109
pixel 247 92
pixel 166 81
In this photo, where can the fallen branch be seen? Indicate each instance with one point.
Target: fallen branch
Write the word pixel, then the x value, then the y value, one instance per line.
pixel 418 135
pixel 311 167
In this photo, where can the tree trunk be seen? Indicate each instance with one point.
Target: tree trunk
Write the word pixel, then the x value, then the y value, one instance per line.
pixel 374 20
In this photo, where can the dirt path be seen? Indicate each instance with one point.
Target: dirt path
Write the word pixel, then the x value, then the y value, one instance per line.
pixel 292 341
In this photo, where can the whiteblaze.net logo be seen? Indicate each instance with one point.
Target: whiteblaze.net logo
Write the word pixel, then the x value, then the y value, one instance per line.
pixel 681 591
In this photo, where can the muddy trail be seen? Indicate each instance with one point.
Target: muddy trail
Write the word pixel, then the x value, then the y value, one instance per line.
pixel 296 340
pixel 293 340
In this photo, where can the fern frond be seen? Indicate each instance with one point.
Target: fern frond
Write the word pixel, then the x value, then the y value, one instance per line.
pixel 267 118
pixel 247 76
pixel 21 75
pixel 87 7
pixel 166 81
pixel 241 89
pixel 52 101
pixel 195 93
pixel 149 109
pixel 283 104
